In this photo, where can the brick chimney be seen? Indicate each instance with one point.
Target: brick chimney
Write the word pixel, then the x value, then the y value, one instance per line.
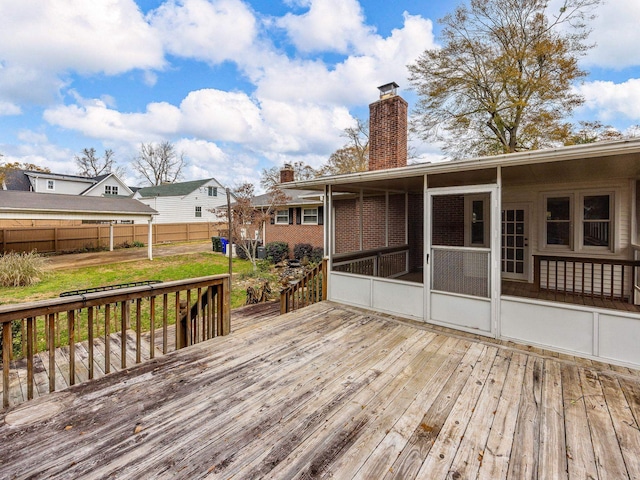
pixel 388 130
pixel 287 173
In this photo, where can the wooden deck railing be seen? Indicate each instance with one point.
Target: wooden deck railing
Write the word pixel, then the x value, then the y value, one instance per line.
pixel 309 289
pixel 384 262
pixel 198 309
pixel 591 277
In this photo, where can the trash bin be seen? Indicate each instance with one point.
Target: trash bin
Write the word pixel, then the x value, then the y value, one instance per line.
pixel 224 243
pixel 216 244
pixel 262 253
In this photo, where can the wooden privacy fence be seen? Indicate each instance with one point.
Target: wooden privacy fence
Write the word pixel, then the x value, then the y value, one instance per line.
pixel 96 236
pixel 311 288
pixel 189 311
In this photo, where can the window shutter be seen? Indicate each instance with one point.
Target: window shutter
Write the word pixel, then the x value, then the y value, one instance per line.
pixel 291 216
pixel 298 215
pixel 320 215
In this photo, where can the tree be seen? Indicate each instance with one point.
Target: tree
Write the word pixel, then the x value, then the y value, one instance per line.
pixel 159 163
pixel 270 177
pixel 89 165
pixel 244 214
pixel 593 131
pixel 354 155
pixel 6 167
pixel 502 81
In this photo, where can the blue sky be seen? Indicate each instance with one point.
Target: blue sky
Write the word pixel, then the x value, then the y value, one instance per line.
pixel 239 85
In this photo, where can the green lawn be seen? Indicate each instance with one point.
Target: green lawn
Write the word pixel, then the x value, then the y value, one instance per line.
pixel 176 267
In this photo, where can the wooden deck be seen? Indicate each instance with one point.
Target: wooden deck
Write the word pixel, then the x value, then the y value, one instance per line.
pixel 336 392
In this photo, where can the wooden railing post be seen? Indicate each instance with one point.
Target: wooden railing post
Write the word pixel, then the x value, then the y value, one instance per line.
pixel 536 272
pixel 226 313
pixel 7 346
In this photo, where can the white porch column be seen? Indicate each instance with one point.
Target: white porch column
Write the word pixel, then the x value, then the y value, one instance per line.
pixel 150 239
pixel 111 236
pixel 496 251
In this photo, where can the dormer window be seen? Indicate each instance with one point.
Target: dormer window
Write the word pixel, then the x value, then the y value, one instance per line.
pixel 111 190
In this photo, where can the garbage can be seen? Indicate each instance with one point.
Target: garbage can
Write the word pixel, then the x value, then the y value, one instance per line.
pixel 262 253
pixel 224 243
pixel 216 244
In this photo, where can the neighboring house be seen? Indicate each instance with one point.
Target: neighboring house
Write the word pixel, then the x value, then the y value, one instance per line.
pixel 55 183
pixel 185 202
pixel 538 247
pixel 299 221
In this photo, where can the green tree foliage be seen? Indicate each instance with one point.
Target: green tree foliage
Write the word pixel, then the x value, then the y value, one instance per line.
pixel 502 80
pixel 5 167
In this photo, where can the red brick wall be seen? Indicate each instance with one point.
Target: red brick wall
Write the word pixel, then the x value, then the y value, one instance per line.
pixel 388 133
pixel 347 225
pixel 448 220
pixel 294 234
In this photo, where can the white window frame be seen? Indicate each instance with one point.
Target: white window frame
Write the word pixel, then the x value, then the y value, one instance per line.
pixel 280 217
pixel 212 191
pixel 51 185
pixel 198 212
pixel 576 223
pixel 468 219
pixel 305 214
pixel 111 190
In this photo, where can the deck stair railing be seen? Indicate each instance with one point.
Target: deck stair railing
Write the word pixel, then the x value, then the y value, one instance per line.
pixel 40 333
pixel 311 288
pixel 607 279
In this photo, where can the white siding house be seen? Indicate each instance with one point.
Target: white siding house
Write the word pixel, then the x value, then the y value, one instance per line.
pixel 55 183
pixel 185 202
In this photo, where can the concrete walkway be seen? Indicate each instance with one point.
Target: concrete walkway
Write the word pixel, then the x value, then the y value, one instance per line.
pixel 73 260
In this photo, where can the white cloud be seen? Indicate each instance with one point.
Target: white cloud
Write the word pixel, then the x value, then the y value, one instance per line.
pixel 354 80
pixel 9 108
pixel 328 25
pixel 107 36
pixel 613 102
pixel 210 30
pixel 616 34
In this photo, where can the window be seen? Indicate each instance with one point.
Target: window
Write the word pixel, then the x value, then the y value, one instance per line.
pixel 587 225
pixel 111 190
pixel 476 214
pixel 559 221
pixel 212 191
pixel 596 221
pixel 310 216
pixel 51 185
pixel 282 217
pixel 198 212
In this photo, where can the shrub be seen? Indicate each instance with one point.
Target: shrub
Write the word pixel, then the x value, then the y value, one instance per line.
pixel 277 251
pixel 21 269
pixel 301 250
pixel 317 254
pixel 240 252
pixel 138 244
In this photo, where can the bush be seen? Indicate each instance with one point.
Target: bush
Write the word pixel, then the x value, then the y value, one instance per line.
pixel 276 251
pixel 317 254
pixel 21 269
pixel 138 244
pixel 240 252
pixel 301 250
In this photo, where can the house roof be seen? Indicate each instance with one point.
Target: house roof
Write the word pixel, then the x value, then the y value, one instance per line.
pixel 612 157
pixel 296 197
pixel 59 176
pixel 12 202
pixel 173 189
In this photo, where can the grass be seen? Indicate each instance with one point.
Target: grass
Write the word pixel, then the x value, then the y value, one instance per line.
pixel 169 268
pixel 176 267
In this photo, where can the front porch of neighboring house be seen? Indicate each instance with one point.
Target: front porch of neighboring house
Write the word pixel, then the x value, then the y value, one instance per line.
pixel 539 253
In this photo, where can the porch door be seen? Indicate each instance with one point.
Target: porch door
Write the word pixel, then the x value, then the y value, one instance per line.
pixel 515 242
pixel 463 243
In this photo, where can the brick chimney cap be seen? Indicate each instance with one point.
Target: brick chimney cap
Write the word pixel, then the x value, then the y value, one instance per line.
pixel 388 89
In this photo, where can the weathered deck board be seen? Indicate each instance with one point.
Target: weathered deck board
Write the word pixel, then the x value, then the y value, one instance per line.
pixel 334 392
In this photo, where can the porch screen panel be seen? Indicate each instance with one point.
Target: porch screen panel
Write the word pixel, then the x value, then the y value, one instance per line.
pixel 461 270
